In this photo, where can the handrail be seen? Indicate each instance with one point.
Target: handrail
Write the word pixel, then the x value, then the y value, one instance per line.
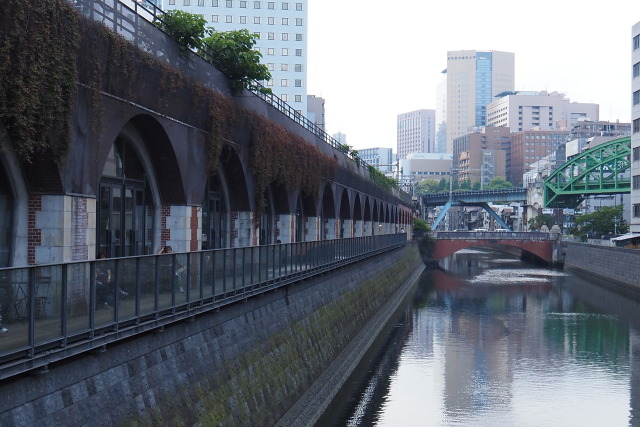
pixel 53 312
pixel 152 13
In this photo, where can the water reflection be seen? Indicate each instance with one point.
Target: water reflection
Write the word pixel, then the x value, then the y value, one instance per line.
pixel 493 341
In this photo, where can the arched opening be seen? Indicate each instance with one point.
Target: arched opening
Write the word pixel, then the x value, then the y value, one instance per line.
pixel 357 216
pixel 267 220
pixel 367 227
pixel 345 216
pixel 215 215
pixel 328 214
pixel 305 209
pixel 125 203
pixel 7 200
pixel 377 226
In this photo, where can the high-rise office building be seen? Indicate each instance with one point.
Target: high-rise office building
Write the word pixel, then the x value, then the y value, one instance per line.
pixel 482 155
pixel 416 132
pixel 282 30
pixel 380 158
pixel 473 79
pixel 441 115
pixel 315 110
pixel 635 135
pixel 528 110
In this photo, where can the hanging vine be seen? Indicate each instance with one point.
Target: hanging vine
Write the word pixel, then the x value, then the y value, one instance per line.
pixel 40 70
pixel 278 156
pixel 38 54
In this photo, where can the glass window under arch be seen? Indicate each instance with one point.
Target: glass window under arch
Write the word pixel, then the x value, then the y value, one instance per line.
pixel 6 219
pixel 215 233
pixel 125 207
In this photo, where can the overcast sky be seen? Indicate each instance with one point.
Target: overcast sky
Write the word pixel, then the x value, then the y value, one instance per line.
pixel 372 60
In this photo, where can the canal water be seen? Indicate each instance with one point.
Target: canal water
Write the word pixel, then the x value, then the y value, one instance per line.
pixel 491 341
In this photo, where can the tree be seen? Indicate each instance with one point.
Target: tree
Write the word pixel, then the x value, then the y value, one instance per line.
pixel 188 29
pixel 537 222
pixel 476 186
pixel 232 53
pixel 465 184
pixel 497 183
pixel 420 225
pixel 606 220
pixel 428 186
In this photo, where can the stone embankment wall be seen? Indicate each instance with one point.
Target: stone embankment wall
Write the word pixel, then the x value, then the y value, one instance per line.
pixel 610 263
pixel 247 364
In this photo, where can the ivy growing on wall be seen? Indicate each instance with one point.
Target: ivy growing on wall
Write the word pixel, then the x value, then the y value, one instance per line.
pixel 47 49
pixel 38 54
pixel 381 180
pixel 277 155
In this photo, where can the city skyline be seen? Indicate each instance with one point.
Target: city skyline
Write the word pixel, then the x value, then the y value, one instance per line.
pixel 558 46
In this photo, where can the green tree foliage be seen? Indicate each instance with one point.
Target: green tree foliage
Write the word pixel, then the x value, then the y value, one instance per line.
pixel 465 184
pixel 188 29
pixel 606 220
pixel 428 186
pixel 232 53
pixel 420 225
pixel 476 186
pixel 537 222
pixel 497 183
pixel 381 180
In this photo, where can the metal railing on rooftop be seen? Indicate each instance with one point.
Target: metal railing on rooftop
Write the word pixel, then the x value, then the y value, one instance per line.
pixel 108 11
pixel 53 312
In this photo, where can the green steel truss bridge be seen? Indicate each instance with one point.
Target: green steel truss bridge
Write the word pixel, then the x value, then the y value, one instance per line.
pixel 603 169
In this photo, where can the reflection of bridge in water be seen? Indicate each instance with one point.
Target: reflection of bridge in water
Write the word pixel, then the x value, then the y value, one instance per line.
pixel 534 247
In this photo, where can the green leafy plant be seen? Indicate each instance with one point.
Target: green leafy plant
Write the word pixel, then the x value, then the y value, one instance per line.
pixel 188 29
pixel 497 183
pixel 537 222
pixel 420 225
pixel 232 53
pixel 606 220
pixel 38 74
pixel 382 180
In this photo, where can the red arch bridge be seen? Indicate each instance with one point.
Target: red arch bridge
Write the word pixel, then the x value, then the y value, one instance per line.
pixel 533 246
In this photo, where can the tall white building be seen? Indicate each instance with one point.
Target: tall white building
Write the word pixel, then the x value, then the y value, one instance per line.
pixel 473 79
pixel 282 30
pixel 416 132
pixel 315 110
pixel 379 157
pixel 441 115
pixel 635 129
pixel 528 110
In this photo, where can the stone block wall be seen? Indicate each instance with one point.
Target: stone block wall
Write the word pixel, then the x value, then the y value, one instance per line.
pixel 246 364
pixel 609 263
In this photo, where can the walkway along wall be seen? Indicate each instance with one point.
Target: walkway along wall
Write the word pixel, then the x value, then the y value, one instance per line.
pixel 247 364
pixel 609 263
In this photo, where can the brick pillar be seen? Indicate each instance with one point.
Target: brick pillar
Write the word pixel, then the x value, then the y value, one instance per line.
pixel 357 231
pixel 34 233
pixel 241 229
pixel 311 229
pixel 177 227
pixel 196 228
pixel 285 228
pixel 60 229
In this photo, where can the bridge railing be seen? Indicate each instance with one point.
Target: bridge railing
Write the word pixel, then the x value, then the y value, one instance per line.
pixel 52 312
pixel 497 235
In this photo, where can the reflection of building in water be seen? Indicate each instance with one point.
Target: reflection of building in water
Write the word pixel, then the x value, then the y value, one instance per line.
pixel 634 381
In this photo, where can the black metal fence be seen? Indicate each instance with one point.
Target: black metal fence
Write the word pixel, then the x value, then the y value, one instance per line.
pixel 51 312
